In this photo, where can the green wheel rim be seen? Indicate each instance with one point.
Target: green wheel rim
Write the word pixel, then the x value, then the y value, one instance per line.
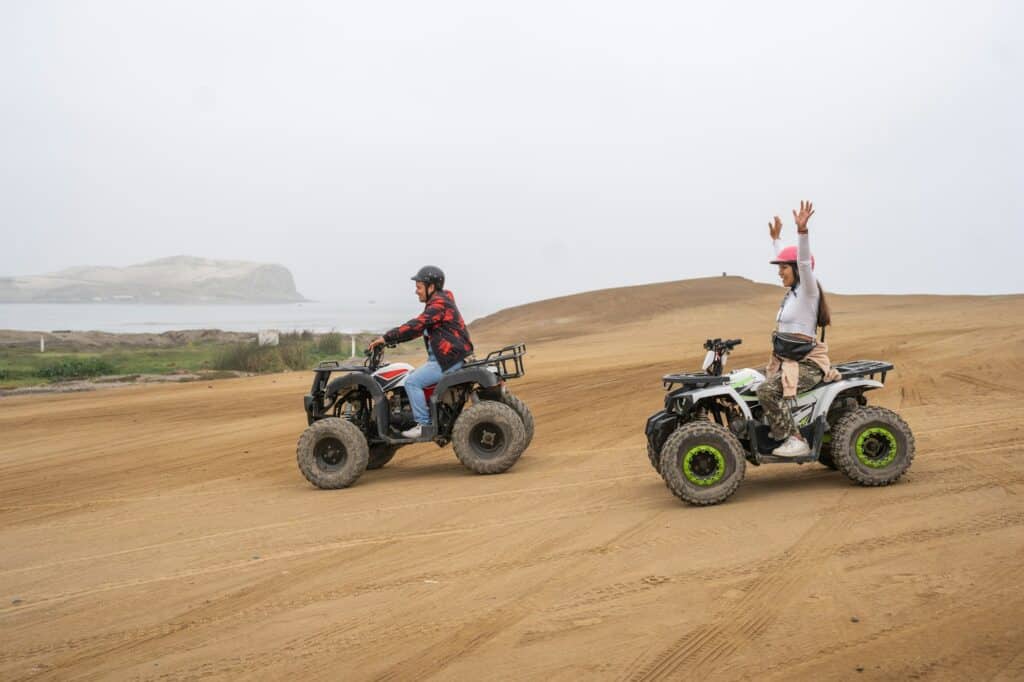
pixel 876 447
pixel 704 465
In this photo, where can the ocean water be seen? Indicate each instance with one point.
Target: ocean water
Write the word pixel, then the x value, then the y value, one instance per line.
pixel 317 316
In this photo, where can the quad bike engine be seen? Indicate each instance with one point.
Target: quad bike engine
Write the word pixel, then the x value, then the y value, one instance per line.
pixel 400 413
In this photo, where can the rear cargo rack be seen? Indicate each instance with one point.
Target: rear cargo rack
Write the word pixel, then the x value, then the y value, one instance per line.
pixel 507 362
pixel 863 368
pixel 695 380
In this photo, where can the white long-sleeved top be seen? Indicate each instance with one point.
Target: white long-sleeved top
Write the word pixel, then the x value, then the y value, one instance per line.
pixel 798 313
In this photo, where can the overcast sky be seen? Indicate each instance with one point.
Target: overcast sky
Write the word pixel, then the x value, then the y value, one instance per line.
pixel 531 149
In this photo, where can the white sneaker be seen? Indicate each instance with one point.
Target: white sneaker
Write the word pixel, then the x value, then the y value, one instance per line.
pixel 414 432
pixel 792 447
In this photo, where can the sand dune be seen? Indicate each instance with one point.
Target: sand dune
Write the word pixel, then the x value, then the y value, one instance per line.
pixel 165 532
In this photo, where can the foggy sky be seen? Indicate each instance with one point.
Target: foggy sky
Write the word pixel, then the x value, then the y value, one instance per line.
pixel 531 149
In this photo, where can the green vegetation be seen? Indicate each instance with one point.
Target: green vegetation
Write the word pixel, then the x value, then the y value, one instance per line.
pixel 329 344
pixel 26 366
pixel 76 368
pixel 248 357
pixel 296 350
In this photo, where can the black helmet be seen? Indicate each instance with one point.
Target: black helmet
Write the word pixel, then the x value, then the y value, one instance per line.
pixel 430 274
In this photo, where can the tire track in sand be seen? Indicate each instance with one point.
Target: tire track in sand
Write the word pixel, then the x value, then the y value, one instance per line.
pixel 811 652
pixel 264 609
pixel 749 616
pixel 981 383
pixel 344 544
pixel 475 632
pixel 611 593
pixel 522 492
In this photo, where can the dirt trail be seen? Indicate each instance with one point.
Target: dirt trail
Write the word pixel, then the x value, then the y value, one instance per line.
pixel 164 532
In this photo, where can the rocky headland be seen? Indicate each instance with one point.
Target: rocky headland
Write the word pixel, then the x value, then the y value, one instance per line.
pixel 178 279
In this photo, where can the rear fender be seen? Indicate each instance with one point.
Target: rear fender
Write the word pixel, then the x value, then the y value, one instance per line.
pixel 488 381
pixel 473 375
pixel 833 390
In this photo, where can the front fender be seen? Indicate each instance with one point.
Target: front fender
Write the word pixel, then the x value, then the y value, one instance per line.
pixel 346 381
pixel 314 401
pixel 695 395
pixel 659 427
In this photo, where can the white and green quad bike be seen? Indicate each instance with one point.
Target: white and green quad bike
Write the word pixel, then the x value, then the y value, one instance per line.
pixel 713 424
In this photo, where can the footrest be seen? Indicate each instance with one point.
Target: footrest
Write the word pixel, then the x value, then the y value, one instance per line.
pixel 774 459
pixel 427 436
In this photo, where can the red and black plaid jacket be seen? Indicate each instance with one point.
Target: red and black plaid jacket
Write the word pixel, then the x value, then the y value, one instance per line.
pixel 446 333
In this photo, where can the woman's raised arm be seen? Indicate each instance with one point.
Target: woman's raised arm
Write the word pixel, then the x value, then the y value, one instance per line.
pixel 775 231
pixel 803 242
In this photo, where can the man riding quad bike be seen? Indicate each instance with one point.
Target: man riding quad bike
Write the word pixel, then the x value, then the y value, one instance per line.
pixel 358 420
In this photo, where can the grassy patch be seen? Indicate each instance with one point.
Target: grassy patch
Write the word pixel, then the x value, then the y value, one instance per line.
pixel 329 344
pixel 249 357
pixel 297 351
pixel 76 368
pixel 28 367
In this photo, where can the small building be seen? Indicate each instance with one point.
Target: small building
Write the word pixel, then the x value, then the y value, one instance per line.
pixel 269 337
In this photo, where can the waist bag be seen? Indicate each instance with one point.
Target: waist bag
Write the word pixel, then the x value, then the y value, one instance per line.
pixel 791 347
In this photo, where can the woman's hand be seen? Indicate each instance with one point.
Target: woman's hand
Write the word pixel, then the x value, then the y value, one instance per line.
pixel 379 341
pixel 775 228
pixel 801 218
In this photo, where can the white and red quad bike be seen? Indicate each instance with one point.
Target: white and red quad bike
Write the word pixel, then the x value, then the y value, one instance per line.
pixel 356 419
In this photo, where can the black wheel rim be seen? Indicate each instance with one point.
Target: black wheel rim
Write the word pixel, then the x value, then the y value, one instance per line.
pixel 330 454
pixel 705 465
pixel 487 440
pixel 876 447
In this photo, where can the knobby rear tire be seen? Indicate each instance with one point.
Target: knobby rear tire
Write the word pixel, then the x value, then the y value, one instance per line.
pixel 873 446
pixel 489 437
pixel 524 413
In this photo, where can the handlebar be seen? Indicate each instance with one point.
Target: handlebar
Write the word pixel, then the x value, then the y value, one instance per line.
pixel 718 350
pixel 720 346
pixel 373 356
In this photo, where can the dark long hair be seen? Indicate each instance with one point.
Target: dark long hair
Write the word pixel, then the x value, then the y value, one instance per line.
pixel 824 313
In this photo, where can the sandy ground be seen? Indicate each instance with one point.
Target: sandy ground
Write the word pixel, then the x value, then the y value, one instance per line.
pixel 164 532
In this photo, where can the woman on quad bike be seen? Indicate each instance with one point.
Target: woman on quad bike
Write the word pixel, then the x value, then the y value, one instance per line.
pixel 798 362
pixel 444 334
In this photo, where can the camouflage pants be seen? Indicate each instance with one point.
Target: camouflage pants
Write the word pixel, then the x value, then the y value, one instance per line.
pixel 776 408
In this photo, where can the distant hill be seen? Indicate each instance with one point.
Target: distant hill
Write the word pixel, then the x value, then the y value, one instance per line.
pixel 711 304
pixel 179 279
pixel 596 311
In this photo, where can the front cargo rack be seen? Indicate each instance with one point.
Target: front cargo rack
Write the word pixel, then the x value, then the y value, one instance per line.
pixel 695 380
pixel 340 366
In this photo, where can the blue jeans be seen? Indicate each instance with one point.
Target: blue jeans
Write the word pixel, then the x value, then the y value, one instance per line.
pixel 427 374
